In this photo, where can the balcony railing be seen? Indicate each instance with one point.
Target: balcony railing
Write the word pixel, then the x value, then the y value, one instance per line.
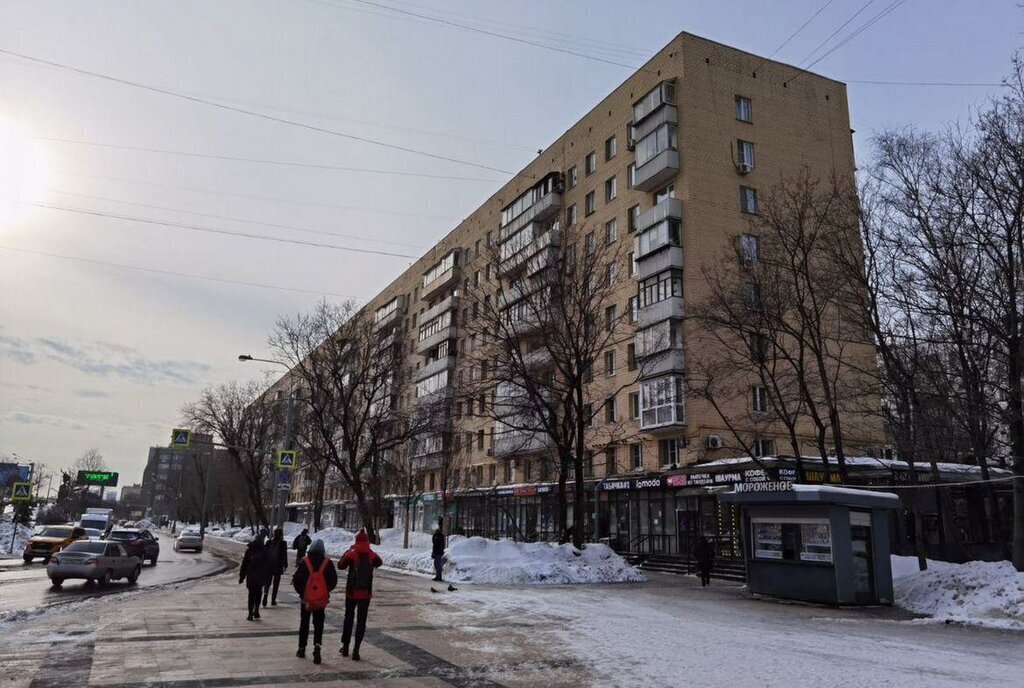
pixel 425 345
pixel 445 279
pixel 547 206
pixel 657 171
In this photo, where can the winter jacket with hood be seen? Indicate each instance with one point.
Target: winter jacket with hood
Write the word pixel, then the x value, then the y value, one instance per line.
pixel 316 558
pixel 257 564
pixel 360 561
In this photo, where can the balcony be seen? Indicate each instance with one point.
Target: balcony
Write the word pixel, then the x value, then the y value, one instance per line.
pixel 445 279
pixel 669 208
pixel 661 363
pixel 547 206
pixel 434 367
pixel 430 462
pixel 538 360
pixel 662 310
pixel 512 295
pixel 516 444
pixel 448 304
pixel 431 342
pixel 658 261
pixel 665 114
pixel 391 318
pixel 657 171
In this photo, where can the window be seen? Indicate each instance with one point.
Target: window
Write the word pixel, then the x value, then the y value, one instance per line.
pixel 611 413
pixel 588 372
pixel 588 415
pixel 803 540
pixel 744 112
pixel 612 273
pixel 668 451
pixel 634 307
pixel 664 194
pixel 432 327
pixel 636 456
pixel 588 465
pixel 573 177
pixel 758 347
pixel 763 446
pixel 660 336
pixel 610 146
pixel 477 247
pixel 480 439
pixel 745 153
pixel 752 295
pixel 610 189
pixel 476 278
pixel 633 267
pixel 591 163
pixel 631 175
pixel 664 285
pixel 589 203
pixel 446 264
pixel 759 399
pixel 610 461
pixel 590 243
pixel 609 363
pixel 609 318
pixel 631 356
pixel 634 405
pixel 523 203
pixel 665 233
pixel 658 141
pixel 432 384
pixel 570 215
pixel 387 309
pixel 632 215
pixel 750 248
pixel 489 238
pixel 611 231
pixel 661 401
pixel 653 99
pixel 492 474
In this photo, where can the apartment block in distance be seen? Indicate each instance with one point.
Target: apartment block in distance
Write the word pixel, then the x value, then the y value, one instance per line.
pixel 670 164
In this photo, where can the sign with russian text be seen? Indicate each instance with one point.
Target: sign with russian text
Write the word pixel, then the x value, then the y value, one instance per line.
pixel 771 486
pixel 100 478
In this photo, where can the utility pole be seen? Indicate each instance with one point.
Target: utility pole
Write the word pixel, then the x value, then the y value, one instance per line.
pixel 281 493
pixel 206 494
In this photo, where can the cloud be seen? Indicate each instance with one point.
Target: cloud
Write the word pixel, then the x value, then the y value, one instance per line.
pixel 91 394
pixel 105 360
pixel 24 418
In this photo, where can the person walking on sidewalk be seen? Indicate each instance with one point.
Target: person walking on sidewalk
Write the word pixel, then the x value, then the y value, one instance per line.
pixel 437 549
pixel 704 553
pixel 299 544
pixel 254 572
pixel 278 553
pixel 360 561
pixel 314 579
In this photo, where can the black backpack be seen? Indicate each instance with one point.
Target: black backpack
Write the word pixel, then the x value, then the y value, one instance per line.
pixel 360 574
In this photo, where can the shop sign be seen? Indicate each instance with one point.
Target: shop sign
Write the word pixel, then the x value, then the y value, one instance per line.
pixel 700 479
pixel 728 478
pixel 544 489
pixel 647 483
pixel 772 486
pixel 819 476
pixel 676 480
pixel 504 491
pixel 616 485
pixel 526 491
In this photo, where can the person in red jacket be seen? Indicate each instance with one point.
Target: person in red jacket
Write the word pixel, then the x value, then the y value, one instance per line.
pixel 360 561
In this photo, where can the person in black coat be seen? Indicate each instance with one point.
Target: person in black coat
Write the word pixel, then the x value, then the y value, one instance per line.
pixel 437 549
pixel 278 553
pixel 254 572
pixel 299 544
pixel 300 578
pixel 704 553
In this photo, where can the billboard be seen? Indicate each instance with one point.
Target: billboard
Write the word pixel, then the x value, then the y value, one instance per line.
pixel 11 473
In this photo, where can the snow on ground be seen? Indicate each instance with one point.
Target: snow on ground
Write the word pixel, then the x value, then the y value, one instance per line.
pixel 145 524
pixel 979 593
pixel 7 529
pixel 247 534
pixel 497 562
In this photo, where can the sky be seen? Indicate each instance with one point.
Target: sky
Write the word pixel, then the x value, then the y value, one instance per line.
pixel 100 346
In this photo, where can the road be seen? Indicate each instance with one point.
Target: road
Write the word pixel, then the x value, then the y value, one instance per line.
pixel 26 586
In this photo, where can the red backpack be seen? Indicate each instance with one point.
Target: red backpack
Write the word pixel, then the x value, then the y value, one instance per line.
pixel 317 596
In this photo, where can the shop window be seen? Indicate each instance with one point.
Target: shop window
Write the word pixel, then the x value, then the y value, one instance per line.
pixel 803 540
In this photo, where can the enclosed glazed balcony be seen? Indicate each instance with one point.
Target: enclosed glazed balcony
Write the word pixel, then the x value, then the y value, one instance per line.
pixel 658 171
pixel 448 304
pixel 541 202
pixel 433 340
pixel 511 444
pixel 670 208
pixel 653 263
pixel 434 367
pixel 662 310
pixel 389 314
pixel 662 404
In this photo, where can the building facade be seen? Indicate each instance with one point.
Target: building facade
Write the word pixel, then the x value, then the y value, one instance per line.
pixel 668 167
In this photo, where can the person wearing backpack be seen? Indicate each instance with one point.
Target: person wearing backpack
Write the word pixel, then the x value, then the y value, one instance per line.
pixel 254 572
pixel 360 561
pixel 278 552
pixel 299 544
pixel 313 580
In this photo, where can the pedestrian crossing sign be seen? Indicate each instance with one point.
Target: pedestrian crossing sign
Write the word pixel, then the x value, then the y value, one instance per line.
pixel 181 438
pixel 22 492
pixel 286 459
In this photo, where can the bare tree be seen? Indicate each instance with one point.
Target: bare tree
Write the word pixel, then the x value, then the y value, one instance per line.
pixel 244 419
pixel 407 481
pixel 90 460
pixel 535 338
pixel 349 377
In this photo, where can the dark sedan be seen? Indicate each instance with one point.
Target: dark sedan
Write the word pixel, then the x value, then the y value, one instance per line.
pixel 139 543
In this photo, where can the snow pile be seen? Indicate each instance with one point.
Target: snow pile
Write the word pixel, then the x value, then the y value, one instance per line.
pixel 291 529
pixel 21 537
pixel 145 524
pixel 980 593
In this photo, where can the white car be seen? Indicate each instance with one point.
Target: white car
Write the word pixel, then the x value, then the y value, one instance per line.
pixel 189 539
pixel 94 533
pixel 93 560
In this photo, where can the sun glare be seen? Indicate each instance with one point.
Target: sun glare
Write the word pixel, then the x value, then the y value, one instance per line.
pixel 23 173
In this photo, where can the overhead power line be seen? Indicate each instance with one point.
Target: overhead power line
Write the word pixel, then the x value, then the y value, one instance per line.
pixel 171 273
pixel 794 34
pixel 922 83
pixel 264 161
pixel 864 27
pixel 841 27
pixel 251 113
pixel 214 230
pixel 240 219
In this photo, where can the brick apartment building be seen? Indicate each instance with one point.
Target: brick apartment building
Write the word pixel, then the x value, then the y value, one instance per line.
pixel 669 165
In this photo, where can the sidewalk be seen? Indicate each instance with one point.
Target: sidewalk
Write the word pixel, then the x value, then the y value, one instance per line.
pixel 195 634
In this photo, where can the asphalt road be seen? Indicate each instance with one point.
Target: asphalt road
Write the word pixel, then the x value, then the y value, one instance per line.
pixel 26 586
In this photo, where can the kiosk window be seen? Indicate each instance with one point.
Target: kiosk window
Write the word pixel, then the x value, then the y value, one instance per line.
pixel 792 540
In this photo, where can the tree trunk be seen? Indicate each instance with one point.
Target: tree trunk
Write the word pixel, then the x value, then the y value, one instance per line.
pixel 408 516
pixel 318 499
pixel 563 497
pixel 577 498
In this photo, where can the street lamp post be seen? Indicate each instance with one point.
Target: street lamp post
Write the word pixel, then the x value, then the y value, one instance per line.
pixel 279 494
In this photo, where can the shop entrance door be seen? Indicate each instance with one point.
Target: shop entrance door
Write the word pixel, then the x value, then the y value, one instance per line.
pixel 688 525
pixel 863 561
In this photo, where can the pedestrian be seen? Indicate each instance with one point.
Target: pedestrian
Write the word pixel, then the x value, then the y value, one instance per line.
pixel 278 554
pixel 437 549
pixel 314 579
pixel 255 570
pixel 704 553
pixel 360 561
pixel 299 544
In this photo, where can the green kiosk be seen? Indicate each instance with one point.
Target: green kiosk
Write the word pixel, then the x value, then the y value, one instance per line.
pixel 816 543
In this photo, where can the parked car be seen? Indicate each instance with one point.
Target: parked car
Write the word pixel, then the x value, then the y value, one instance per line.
pixel 139 543
pixel 94 560
pixel 94 533
pixel 48 540
pixel 189 539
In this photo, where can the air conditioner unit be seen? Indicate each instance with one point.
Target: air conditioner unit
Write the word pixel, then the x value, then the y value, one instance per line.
pixel 715 442
pixel 631 144
pixel 744 167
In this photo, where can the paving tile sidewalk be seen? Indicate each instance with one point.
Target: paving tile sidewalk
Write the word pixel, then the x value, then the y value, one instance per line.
pixel 195 635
